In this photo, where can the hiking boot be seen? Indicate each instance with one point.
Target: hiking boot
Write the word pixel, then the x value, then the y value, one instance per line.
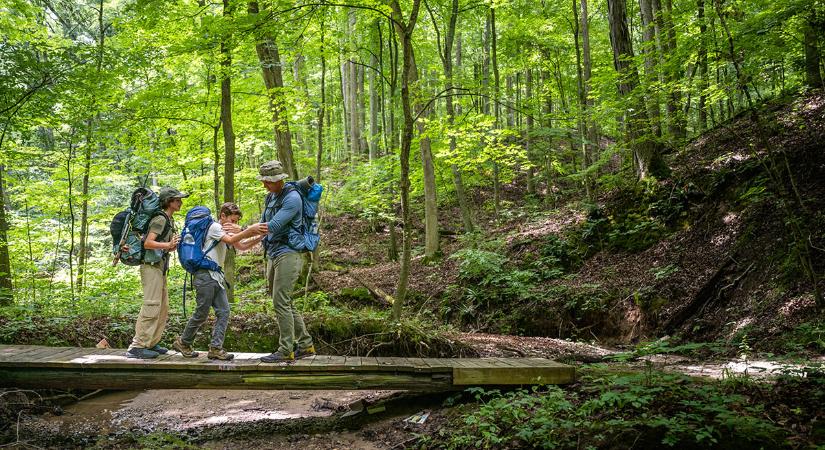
pixel 159 349
pixel 141 353
pixel 279 357
pixel 305 352
pixel 220 354
pixel 184 349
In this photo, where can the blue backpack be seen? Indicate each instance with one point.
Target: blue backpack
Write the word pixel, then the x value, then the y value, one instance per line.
pixel 307 238
pixel 190 249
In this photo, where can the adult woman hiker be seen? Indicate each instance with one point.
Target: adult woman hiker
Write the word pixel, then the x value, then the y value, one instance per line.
pixel 161 237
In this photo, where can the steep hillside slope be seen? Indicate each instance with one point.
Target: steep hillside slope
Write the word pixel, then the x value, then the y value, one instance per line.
pixel 707 254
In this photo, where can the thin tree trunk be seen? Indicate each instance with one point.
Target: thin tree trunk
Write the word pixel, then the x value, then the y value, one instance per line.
pixel 229 146
pixel 812 59
pixel 583 126
pixel 70 181
pixel 447 63
pixel 352 89
pixel 649 50
pixel 87 161
pixel 703 67
pixel 216 174
pixel 740 77
pixel 322 106
pixel 6 287
pixel 374 133
pixel 676 121
pixel 592 145
pixel 404 31
pixel 528 139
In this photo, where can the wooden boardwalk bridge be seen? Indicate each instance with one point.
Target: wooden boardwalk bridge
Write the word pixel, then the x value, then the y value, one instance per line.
pixel 92 368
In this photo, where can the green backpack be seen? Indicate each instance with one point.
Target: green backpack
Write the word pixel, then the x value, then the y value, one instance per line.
pixel 129 228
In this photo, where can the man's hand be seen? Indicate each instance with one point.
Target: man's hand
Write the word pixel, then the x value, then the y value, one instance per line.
pixel 173 244
pixel 231 228
pixel 260 228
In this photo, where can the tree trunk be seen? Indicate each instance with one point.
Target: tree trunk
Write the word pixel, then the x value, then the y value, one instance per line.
pixel 649 49
pixel 431 233
pixel 703 67
pixel 740 77
pixel 87 159
pixel 229 146
pixel 404 31
pixel 6 291
pixel 583 125
pixel 270 61
pixel 528 138
pixel 352 90
pixel 645 154
pixel 592 145
pixel 676 121
pixel 322 106
pixel 216 174
pixel 374 133
pixel 447 64
pixel 812 60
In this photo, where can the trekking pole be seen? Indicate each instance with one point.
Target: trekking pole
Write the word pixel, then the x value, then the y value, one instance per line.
pixel 312 254
pixel 184 295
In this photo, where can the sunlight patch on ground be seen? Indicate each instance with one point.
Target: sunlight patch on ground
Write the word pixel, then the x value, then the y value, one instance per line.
pixel 794 305
pixel 240 415
pixel 752 368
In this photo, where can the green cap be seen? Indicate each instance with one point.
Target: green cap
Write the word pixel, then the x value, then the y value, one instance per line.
pixel 272 171
pixel 170 192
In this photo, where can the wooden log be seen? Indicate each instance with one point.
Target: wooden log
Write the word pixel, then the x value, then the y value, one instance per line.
pixel 55 378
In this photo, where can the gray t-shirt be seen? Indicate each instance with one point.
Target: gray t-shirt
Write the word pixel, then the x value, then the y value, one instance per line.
pixel 218 253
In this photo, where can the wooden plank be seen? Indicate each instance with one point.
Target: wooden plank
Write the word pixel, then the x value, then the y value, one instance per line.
pixel 402 364
pixel 11 351
pixel 370 363
pixel 353 362
pixel 38 352
pixel 33 357
pixel 419 365
pixel 335 363
pixel 439 364
pixel 61 359
pixel 319 362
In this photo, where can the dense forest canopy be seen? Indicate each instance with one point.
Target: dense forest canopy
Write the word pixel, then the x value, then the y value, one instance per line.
pixel 401 108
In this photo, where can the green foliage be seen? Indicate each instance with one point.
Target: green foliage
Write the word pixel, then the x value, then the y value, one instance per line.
pixel 809 336
pixel 481 266
pixel 657 409
pixel 640 215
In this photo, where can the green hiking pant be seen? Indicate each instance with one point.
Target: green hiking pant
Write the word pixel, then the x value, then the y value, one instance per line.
pixel 282 272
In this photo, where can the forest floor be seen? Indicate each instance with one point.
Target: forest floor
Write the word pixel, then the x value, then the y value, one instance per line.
pixel 307 420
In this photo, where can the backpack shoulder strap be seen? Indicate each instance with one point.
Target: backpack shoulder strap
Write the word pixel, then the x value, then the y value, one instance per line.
pixel 168 223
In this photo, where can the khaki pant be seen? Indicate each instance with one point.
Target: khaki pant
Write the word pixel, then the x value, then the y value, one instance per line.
pixel 282 272
pixel 155 309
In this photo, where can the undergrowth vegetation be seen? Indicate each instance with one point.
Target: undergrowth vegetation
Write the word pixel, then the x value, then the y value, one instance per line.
pixel 649 410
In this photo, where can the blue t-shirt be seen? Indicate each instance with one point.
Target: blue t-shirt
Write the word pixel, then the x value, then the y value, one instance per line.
pixel 282 214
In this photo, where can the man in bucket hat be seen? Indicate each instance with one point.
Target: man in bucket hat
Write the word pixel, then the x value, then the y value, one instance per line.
pixel 161 237
pixel 282 216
